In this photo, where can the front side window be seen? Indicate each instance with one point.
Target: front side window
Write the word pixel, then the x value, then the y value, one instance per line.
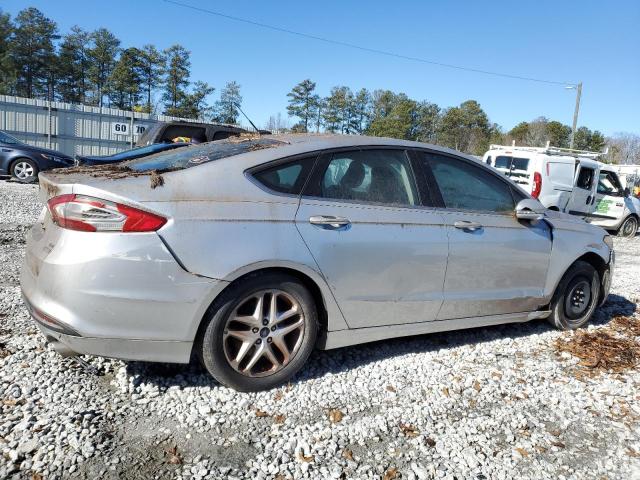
pixel 609 184
pixel 585 178
pixel 468 187
pixel 376 176
pixel 286 178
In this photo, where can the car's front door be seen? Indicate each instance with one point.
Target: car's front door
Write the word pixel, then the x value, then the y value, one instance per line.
pixel 382 252
pixel 610 200
pixel 497 264
pixel 583 197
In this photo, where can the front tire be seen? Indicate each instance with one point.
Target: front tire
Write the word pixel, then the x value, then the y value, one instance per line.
pixel 24 170
pixel 576 297
pixel 629 227
pixel 260 332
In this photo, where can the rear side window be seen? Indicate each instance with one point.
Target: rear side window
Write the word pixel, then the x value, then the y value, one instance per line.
pixel 512 163
pixel 585 178
pixel 370 176
pixel 286 178
pixel 467 187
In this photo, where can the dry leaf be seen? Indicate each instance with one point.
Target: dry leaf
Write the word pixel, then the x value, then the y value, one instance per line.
pixel 278 396
pixel 173 457
pixel 279 418
pixel 391 388
pixel 556 432
pixel 445 391
pixel 36 476
pixel 260 413
pixel 409 430
pixel 558 444
pixel 303 458
pixel 633 453
pixel 476 385
pixel 541 449
pixel 390 474
pixel 497 375
pixel 279 477
pixel 335 415
pixel 348 454
pixel 430 441
pixel 522 452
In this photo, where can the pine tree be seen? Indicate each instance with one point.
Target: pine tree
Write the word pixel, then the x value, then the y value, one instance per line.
pixel 176 79
pixel 227 107
pixel 102 57
pixel 73 66
pixel 8 73
pixel 195 103
pixel 123 85
pixel 32 52
pixel 303 103
pixel 152 64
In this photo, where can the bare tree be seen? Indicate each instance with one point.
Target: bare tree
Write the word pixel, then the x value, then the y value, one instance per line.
pixel 624 148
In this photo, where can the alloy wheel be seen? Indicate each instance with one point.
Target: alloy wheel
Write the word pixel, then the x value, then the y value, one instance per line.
pixel 263 333
pixel 23 170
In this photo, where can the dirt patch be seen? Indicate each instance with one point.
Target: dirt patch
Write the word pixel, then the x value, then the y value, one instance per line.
pixel 609 349
pixel 156 180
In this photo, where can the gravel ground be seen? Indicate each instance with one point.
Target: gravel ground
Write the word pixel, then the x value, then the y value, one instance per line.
pixel 495 402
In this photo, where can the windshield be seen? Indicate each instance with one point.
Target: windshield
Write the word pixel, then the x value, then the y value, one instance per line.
pixel 198 154
pixel 6 138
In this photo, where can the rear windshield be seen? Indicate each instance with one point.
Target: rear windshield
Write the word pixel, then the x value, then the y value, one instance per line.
pixel 199 154
pixel 512 163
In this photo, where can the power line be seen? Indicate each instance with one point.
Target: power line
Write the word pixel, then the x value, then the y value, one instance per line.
pixel 365 49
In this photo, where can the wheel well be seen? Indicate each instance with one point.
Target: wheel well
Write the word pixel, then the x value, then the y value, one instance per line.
pixel 307 281
pixel 596 262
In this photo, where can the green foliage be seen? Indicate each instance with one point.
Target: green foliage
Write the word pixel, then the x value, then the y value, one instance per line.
pixel 151 70
pixel 303 103
pixel 102 57
pixel 176 79
pixel 123 85
pixel 32 52
pixel 398 122
pixel 585 139
pixel 559 134
pixel 465 128
pixel 73 66
pixel 226 109
pixel 8 72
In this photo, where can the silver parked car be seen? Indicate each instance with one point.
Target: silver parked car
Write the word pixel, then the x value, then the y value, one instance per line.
pixel 248 253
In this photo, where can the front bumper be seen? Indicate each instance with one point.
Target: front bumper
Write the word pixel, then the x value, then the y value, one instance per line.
pixel 113 295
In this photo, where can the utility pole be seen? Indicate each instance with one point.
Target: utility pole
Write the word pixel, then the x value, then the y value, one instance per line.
pixel 575 113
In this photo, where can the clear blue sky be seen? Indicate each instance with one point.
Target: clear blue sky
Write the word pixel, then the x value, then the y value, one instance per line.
pixel 591 41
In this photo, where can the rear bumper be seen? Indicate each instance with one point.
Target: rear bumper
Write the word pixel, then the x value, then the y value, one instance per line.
pixel 113 295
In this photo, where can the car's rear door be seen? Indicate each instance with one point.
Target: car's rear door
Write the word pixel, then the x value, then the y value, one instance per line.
pixel 381 248
pixel 497 264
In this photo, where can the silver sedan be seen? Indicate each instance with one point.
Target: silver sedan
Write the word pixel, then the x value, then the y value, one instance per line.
pixel 249 253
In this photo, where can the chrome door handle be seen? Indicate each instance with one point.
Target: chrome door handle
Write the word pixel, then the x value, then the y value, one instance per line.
pixel 329 221
pixel 464 225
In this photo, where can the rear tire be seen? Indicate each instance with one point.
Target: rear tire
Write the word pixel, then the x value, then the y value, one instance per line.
pixel 576 297
pixel 242 326
pixel 24 170
pixel 629 227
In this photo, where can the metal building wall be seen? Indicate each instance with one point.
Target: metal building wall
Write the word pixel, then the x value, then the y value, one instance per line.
pixel 71 128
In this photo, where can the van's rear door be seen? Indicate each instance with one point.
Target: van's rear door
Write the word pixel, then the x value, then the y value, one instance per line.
pixel 583 198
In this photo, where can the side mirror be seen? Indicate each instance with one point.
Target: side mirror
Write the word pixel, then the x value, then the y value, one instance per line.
pixel 529 209
pixel 627 192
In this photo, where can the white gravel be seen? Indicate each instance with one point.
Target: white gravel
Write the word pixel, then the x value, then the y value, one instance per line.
pixel 489 403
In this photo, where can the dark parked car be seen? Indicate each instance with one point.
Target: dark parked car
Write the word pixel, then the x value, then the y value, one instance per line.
pixel 132 154
pixel 165 132
pixel 23 162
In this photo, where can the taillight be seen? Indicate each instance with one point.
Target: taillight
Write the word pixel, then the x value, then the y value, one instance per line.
pixel 88 214
pixel 537 185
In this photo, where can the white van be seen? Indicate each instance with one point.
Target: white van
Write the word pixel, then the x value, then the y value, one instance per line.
pixel 570 181
pixel 561 179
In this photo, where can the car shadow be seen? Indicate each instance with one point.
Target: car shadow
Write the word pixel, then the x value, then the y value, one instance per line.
pixel 331 362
